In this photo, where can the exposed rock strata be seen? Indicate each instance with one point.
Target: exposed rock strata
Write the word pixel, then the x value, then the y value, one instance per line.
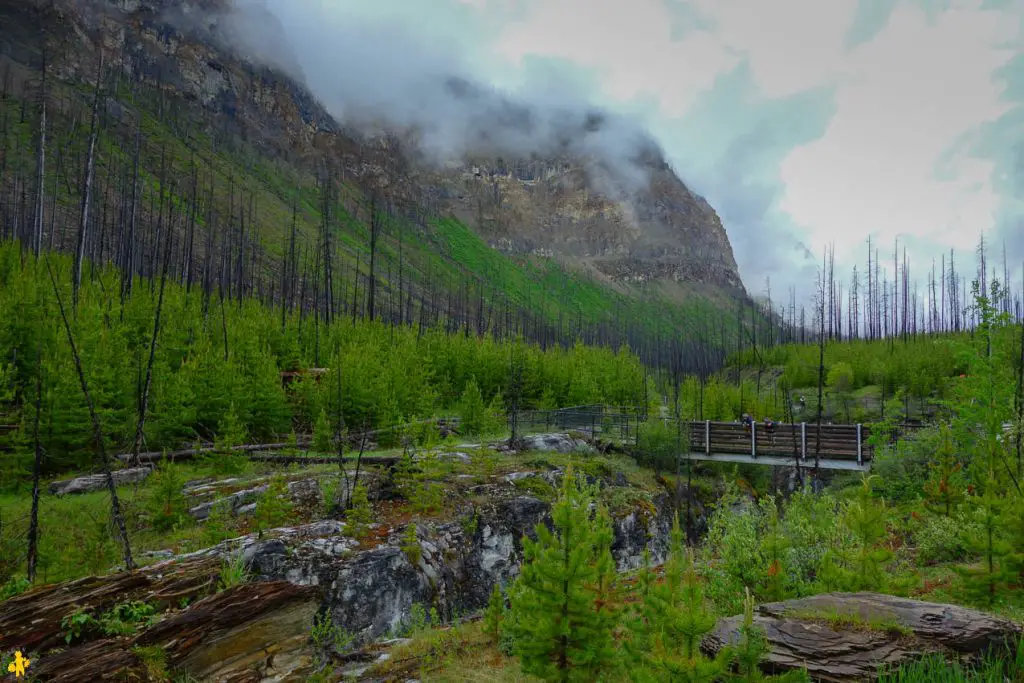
pixel 848 636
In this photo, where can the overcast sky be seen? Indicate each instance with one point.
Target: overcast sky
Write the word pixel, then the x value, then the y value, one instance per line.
pixel 803 122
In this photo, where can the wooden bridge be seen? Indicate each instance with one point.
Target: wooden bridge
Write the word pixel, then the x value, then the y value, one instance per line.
pixel 841 446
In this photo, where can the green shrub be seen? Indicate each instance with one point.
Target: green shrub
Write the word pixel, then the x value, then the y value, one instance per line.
pixel 411 544
pixel 233 572
pixel 536 487
pixel 360 514
pixel 327 635
pixel 274 507
pixel 167 506
pixel 125 618
pixel 78 625
pixel 16 585
pixel 941 539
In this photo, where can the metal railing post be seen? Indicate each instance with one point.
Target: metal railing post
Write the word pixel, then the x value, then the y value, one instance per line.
pixel 753 439
pixel 803 440
pixel 707 437
pixel 860 451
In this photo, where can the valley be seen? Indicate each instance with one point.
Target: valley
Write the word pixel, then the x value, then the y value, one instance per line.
pixel 287 395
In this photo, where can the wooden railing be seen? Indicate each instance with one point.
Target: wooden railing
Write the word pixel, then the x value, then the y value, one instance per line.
pixel 837 442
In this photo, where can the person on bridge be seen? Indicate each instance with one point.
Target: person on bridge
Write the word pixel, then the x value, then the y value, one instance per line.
pixel 746 420
pixel 769 425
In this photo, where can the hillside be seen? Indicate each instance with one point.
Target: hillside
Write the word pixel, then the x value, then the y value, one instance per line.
pixel 258 190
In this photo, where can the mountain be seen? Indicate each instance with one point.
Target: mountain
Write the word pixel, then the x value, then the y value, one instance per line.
pixel 207 140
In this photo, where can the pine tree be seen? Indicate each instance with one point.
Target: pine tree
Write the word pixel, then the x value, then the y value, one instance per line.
pixel 273 507
pixel 752 646
pixel 861 564
pixel 866 519
pixel 494 614
pixel 559 625
pixel 946 485
pixel 472 410
pixel 230 433
pixel 673 619
pixel 360 514
pixel 981 584
pixel 774 546
pixel 322 434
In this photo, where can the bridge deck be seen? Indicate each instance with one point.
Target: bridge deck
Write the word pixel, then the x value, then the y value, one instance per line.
pixel 838 446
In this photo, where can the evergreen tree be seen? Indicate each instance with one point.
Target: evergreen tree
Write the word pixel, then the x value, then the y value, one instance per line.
pixel 360 514
pixel 751 649
pixel 273 507
pixel 866 519
pixel 774 548
pixel 946 485
pixel 494 615
pixel 561 629
pixel 673 618
pixel 982 584
pixel 859 564
pixel 322 434
pixel 472 410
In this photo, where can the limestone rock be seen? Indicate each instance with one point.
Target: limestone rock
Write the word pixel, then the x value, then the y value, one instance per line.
pixel 560 443
pixel 873 630
pixel 231 503
pixel 306 493
pixel 97 482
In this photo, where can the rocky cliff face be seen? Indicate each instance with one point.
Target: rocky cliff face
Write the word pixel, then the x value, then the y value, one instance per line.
pixel 549 207
pixel 560 204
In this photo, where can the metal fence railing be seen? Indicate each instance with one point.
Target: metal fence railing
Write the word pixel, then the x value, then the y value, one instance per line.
pixel 593 420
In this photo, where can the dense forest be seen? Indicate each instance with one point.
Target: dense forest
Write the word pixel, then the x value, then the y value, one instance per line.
pixel 219 361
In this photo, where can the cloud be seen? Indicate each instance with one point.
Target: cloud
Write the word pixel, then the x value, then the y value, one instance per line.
pixel 804 123
pixel 887 166
pixel 375 71
pixel 809 123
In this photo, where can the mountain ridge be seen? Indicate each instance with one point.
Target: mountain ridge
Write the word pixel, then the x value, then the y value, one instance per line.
pixel 229 105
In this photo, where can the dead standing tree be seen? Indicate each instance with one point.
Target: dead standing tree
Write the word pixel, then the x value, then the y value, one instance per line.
pixel 115 504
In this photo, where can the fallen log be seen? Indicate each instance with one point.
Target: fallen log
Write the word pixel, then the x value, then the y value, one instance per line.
pixel 261 453
pixel 255 628
pixel 257 624
pixel 96 482
pixel 31 621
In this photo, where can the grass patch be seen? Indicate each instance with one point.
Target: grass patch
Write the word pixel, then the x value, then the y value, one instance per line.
pixel 536 487
pixel 155 660
pixel 457 653
pixel 847 621
pixel 996 666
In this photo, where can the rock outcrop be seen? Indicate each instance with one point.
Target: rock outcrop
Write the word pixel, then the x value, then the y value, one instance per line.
pixel 372 592
pixel 843 637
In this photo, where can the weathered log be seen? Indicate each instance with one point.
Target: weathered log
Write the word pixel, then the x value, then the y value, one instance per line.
pixel 99 660
pixel 249 632
pixel 96 482
pixel 849 636
pixel 31 622
pixel 258 453
pixel 257 625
